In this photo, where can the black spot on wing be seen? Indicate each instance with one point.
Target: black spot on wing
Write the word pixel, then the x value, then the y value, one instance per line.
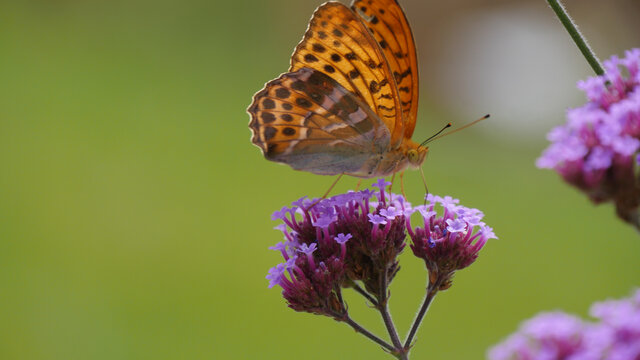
pixel 267 117
pixel 268 104
pixel 269 133
pixel 283 93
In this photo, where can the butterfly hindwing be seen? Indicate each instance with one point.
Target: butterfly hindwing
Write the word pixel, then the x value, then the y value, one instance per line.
pixel 309 121
pixel 388 23
pixel 339 44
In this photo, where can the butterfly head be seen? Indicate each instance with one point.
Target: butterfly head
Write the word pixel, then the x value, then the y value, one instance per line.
pixel 415 154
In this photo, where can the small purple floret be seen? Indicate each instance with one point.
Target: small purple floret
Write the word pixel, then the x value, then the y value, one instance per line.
pixel 324 221
pixel 377 219
pixel 390 212
pixel 456 225
pixel 381 184
pixel 281 214
pixel 342 238
pixel 308 249
pixel 275 275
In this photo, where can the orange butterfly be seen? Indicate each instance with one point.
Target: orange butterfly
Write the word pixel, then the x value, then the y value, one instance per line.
pixel 348 104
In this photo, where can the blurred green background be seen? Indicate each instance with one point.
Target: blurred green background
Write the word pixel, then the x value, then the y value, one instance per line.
pixel 135 213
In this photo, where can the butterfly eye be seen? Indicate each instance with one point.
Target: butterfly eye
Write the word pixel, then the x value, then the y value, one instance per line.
pixel 413 156
pixel 416 156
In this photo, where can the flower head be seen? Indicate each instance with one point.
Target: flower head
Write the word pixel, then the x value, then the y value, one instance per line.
pixel 595 149
pixel 333 242
pixel 553 335
pixel 355 238
pixel 448 242
pixel 560 336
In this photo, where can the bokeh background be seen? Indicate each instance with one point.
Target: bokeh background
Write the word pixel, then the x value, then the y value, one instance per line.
pixel 135 213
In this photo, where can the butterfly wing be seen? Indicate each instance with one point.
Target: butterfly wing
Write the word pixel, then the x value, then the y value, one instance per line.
pixel 388 24
pixel 339 44
pixel 307 120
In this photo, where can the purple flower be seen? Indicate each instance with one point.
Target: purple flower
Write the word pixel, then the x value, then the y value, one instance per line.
pixel 595 150
pixel 275 275
pixel 324 221
pixel 280 214
pixel 350 237
pixel 457 225
pixel 390 212
pixel 549 336
pixel 377 219
pixel 308 249
pixel 381 184
pixel 560 336
pixel 448 242
pixel 342 238
pixel 354 239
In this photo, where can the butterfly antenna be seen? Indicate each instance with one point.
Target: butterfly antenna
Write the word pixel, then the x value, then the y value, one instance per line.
pixel 435 137
pixel 436 134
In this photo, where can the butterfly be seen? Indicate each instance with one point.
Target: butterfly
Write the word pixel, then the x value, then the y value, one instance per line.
pixel 349 102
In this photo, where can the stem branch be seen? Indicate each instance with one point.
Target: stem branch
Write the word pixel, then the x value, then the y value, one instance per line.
pixel 383 300
pixel 432 290
pixel 365 294
pixel 359 329
pixel 577 37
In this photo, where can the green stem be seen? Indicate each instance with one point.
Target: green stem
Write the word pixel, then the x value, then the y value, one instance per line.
pixel 577 37
pixel 359 329
pixel 361 291
pixel 432 290
pixel 383 301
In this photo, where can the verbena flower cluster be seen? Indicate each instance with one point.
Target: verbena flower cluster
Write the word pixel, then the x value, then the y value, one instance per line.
pixel 595 150
pixel 448 242
pixel 355 238
pixel 560 336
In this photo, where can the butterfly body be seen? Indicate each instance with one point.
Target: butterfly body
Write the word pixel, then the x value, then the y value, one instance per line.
pixel 349 101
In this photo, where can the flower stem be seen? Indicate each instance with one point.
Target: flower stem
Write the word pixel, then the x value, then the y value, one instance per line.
pixel 629 213
pixel 383 301
pixel 432 290
pixel 399 351
pixel 365 294
pixel 359 329
pixel 577 37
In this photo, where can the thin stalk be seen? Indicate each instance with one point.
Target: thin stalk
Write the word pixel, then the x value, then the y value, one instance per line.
pixel 399 352
pixel 365 294
pixel 383 301
pixel 359 329
pixel 432 290
pixel 577 37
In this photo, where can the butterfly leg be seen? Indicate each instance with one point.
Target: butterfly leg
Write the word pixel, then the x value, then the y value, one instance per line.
pixel 358 185
pixel 402 184
pixel 327 192
pixel 393 178
pixel 332 186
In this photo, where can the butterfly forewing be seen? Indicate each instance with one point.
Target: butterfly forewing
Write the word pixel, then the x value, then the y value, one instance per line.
pixel 339 44
pixel 388 23
pixel 309 121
